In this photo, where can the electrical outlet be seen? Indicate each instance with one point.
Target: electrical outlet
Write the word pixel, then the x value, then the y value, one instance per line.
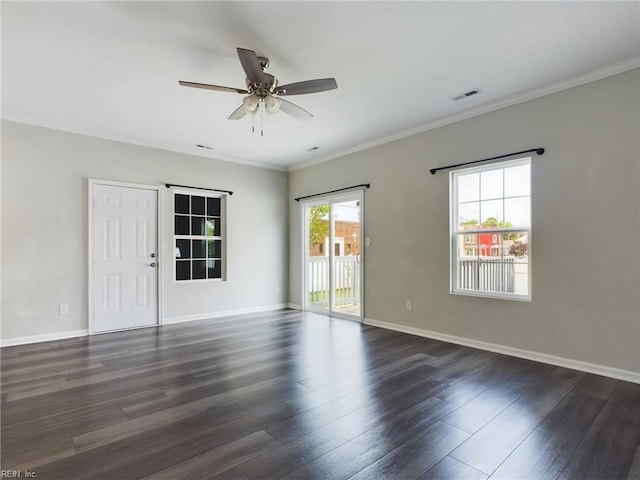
pixel 367 241
pixel 409 305
pixel 63 309
pixel 277 288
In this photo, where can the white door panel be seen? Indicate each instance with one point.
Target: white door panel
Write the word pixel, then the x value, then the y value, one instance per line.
pixel 125 243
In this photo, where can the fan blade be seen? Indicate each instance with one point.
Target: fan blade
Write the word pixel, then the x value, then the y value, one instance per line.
pixel 308 86
pixel 251 66
pixel 294 110
pixel 238 113
pixel 212 87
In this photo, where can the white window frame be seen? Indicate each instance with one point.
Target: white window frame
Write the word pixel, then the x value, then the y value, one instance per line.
pixel 454 231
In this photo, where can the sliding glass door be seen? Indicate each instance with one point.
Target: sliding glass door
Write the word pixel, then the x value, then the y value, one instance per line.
pixel 333 255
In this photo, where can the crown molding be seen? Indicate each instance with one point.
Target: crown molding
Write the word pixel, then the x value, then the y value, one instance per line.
pixel 145 143
pixel 522 97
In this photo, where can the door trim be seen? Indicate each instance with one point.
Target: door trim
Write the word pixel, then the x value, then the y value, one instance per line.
pixel 331 198
pixel 90 184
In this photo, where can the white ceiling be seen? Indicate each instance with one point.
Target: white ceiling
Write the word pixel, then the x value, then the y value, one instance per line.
pixel 111 69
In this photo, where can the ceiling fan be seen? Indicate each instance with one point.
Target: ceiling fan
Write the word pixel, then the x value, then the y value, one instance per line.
pixel 263 92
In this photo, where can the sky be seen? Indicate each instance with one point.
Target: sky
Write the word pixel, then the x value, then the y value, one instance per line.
pixel 503 194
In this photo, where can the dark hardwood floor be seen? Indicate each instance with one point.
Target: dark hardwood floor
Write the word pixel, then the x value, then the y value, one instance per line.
pixel 297 395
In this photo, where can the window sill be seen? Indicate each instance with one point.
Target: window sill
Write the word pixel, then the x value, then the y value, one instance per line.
pixel 199 280
pixel 492 295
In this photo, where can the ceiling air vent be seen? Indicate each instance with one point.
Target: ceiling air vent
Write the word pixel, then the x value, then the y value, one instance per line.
pixel 464 95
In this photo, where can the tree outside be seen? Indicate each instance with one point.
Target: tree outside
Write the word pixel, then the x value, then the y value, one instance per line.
pixel 518 249
pixel 318 224
pixel 493 222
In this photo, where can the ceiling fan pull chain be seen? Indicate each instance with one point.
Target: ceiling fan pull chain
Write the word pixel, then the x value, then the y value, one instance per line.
pixel 262 117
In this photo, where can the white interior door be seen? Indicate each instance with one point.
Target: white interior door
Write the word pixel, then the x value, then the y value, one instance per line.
pixel 124 257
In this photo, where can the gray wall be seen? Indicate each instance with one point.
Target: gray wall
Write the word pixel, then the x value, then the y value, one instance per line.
pixel 585 239
pixel 44 227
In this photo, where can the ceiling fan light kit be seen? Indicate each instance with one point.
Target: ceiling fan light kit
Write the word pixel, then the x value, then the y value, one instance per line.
pixel 250 103
pixel 263 93
pixel 272 104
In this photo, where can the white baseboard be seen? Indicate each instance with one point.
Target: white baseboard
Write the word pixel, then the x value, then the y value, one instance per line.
pixel 49 337
pixel 223 313
pixel 294 306
pixel 625 375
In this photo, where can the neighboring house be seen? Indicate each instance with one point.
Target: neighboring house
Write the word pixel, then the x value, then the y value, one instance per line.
pixel 492 245
pixel 347 240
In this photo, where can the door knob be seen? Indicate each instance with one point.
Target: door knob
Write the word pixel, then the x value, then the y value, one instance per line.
pixel 154 264
pixel 153 255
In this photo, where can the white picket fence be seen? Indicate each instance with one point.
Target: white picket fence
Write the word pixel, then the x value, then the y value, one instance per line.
pixel 346 280
pixel 504 275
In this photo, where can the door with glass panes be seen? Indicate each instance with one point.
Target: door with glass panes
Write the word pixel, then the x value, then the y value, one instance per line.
pixel 332 260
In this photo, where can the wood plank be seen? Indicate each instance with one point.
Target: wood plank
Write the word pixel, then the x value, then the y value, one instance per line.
pixel 408 384
pixel 451 469
pixel 347 459
pixel 69 399
pixel 20 383
pixel 40 372
pixel 607 451
pixel 231 474
pixel 624 403
pixel 42 438
pixel 494 442
pixel 462 392
pixel 59 356
pixel 175 414
pixel 219 459
pixel 634 470
pixel 596 386
pixel 221 393
pixel 28 460
pixel 44 423
pixel 318 378
pixel 145 453
pixel 87 380
pixel 483 408
pixel 317 442
pixel 417 455
pixel 545 452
